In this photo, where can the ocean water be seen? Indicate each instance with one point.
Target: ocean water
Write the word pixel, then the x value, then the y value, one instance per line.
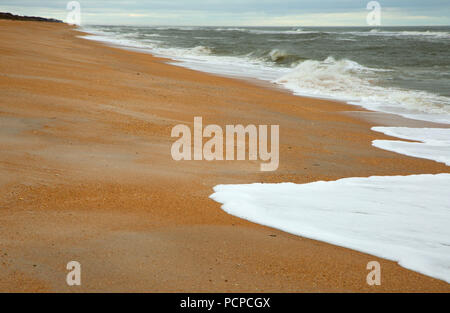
pixel 402 70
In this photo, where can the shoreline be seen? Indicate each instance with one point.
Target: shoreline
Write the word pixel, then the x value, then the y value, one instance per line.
pixel 266 74
pixel 87 175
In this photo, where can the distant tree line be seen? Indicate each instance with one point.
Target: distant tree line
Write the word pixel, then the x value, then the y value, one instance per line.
pixel 9 16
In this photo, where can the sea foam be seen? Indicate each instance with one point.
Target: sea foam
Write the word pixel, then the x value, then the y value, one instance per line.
pixel 349 81
pixel 434 143
pixel 379 215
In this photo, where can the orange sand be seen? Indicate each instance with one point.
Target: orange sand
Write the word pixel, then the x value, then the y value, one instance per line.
pixel 86 174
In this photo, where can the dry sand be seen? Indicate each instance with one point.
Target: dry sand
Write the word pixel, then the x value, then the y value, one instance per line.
pixel 86 174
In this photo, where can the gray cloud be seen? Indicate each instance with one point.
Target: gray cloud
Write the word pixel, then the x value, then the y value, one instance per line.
pixel 222 12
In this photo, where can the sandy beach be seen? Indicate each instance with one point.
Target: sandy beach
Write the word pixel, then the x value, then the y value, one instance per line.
pixel 86 174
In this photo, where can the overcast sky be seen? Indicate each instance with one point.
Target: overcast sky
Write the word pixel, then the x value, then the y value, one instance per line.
pixel 239 12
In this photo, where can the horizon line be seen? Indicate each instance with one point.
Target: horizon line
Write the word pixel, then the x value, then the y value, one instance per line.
pixel 172 25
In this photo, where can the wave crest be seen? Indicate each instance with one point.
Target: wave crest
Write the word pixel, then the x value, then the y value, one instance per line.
pixel 201 50
pixel 277 55
pixel 350 81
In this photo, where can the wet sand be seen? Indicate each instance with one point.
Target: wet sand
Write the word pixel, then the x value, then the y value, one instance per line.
pixel 86 174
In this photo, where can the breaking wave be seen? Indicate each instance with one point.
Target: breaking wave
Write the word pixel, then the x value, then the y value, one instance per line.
pixel 349 81
pixel 277 55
